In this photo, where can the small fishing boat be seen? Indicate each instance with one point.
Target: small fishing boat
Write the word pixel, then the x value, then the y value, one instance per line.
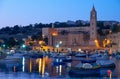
pixel 67 59
pixel 35 56
pixel 80 55
pixel 84 70
pixel 57 61
pixel 88 60
pixel 106 63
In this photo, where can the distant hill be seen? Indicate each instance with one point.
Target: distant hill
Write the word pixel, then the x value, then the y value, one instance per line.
pixel 36 29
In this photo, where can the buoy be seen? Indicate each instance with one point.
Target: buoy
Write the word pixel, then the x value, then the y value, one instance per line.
pixel 109 72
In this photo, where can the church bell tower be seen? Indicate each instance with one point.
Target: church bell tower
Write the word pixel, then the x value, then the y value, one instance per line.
pixel 93 27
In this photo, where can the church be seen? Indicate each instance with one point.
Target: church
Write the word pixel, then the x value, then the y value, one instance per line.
pixel 74 38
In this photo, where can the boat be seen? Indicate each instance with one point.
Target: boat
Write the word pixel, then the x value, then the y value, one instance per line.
pixel 35 56
pixel 80 55
pixel 106 63
pixel 59 56
pixel 88 60
pixel 110 65
pixel 117 56
pixel 2 55
pixel 95 55
pixel 67 59
pixel 13 56
pixel 86 70
pixel 57 62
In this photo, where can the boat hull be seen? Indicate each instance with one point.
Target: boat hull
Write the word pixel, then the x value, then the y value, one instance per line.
pixel 84 72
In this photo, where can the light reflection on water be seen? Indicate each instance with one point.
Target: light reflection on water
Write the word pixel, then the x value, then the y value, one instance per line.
pixel 29 68
pixel 23 64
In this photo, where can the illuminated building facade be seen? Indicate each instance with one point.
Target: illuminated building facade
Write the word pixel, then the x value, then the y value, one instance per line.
pixel 83 36
pixel 114 41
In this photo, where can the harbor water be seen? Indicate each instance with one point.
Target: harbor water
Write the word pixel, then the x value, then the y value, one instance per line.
pixel 43 68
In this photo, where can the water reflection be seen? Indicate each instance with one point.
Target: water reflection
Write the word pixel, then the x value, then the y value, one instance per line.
pixel 14 69
pixel 60 70
pixel 68 64
pixel 23 64
pixel 43 67
pixel 40 65
pixel 30 65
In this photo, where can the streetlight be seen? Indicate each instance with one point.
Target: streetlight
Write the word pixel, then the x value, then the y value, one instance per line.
pixel 41 43
pixel 3 45
pixel 60 42
pixel 97 43
pixel 54 34
pixel 23 46
pixel 57 46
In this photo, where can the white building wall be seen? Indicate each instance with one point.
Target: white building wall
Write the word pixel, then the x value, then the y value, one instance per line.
pixel 45 31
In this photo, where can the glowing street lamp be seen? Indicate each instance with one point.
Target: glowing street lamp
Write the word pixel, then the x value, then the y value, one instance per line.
pixel 97 43
pixel 3 45
pixel 23 46
pixel 60 42
pixel 43 36
pixel 57 46
pixel 79 50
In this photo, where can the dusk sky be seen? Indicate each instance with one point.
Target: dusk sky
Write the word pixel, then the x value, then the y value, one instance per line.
pixel 25 12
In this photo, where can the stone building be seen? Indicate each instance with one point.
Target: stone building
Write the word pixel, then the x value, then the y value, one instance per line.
pixel 74 37
pixel 114 41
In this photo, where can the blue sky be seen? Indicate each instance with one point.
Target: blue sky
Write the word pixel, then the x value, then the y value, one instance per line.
pixel 24 12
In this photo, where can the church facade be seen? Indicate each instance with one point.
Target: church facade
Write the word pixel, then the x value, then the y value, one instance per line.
pixel 74 37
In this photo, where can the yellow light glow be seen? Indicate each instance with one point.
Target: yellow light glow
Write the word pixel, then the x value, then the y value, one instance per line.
pixel 97 43
pixel 41 42
pixel 106 42
pixel 37 61
pixel 54 34
pixel 79 50
pixel 43 66
pixel 111 75
pixel 40 65
pixel 30 65
pixel 60 42
pixel 46 59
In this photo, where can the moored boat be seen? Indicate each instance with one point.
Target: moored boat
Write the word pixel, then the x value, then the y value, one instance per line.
pixel 80 55
pixel 58 61
pixel 88 60
pixel 67 59
pixel 106 63
pixel 86 70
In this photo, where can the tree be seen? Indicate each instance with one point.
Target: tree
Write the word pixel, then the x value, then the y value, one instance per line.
pixel 11 42
pixel 16 27
pixel 115 29
pixel 35 37
pixel 20 42
pixel 46 40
